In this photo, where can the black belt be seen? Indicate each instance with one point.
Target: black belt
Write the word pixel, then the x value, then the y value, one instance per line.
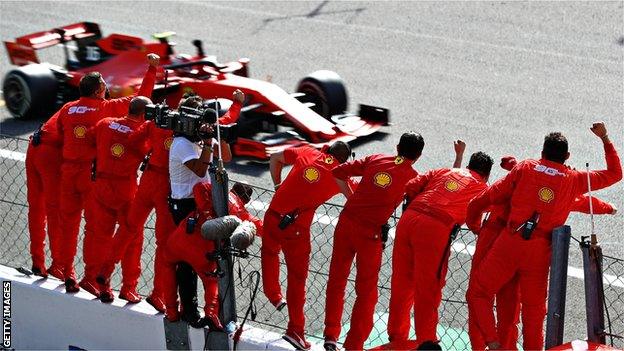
pixel 185 201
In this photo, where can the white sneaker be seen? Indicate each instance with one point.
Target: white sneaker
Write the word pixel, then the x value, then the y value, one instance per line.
pixel 297 341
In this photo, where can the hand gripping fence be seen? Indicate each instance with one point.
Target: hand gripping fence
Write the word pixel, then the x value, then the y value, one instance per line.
pixel 452 329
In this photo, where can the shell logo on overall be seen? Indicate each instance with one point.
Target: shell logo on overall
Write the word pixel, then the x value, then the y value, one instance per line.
pixel 311 174
pixel 80 131
pixel 168 143
pixel 546 194
pixel 382 179
pixel 117 150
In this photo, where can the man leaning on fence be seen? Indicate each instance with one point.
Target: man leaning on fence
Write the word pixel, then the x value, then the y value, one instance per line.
pixel 541 194
pixel 74 120
pixel 438 201
pixel 358 235
pixel 287 225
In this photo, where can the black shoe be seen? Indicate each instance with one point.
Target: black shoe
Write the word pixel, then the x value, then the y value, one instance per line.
pixel 193 319
pixel 330 345
pixel 71 286
pixel 212 322
pixel 106 296
pixel 39 271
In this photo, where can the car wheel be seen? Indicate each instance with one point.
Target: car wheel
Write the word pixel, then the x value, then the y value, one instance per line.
pixel 30 91
pixel 326 90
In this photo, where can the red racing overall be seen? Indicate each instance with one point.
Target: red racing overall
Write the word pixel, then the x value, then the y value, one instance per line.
pixel 508 297
pixel 152 193
pixel 439 200
pixel 308 185
pixel 43 176
pixel 75 119
pixel 119 154
pixel 358 235
pixel 533 186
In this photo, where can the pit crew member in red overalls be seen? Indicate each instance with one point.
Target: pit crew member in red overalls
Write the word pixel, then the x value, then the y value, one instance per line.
pixel 75 119
pixel 358 235
pixel 43 175
pixel 438 201
pixel 186 244
pixel 508 297
pixel 540 194
pixel 287 226
pixel 119 154
pixel 152 193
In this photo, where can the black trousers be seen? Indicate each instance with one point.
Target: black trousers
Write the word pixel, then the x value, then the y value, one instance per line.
pixel 185 275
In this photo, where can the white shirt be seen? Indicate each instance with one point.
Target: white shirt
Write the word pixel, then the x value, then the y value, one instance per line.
pixel 182 179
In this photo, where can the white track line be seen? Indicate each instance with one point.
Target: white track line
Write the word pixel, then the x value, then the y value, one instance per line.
pixel 13 155
pixel 573 272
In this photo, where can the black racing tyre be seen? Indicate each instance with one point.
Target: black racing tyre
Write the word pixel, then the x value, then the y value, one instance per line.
pixel 30 91
pixel 327 91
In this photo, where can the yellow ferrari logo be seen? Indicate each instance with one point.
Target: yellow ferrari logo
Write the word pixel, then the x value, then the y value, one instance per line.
pixel 117 150
pixel 80 131
pixel 546 194
pixel 311 174
pixel 329 160
pixel 382 179
pixel 398 160
pixel 168 143
pixel 451 185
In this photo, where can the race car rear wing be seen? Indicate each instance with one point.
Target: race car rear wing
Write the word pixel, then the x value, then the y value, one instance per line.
pixel 22 51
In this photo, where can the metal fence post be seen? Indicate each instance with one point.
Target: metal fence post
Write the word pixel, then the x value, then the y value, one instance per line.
pixel 594 293
pixel 227 298
pixel 555 318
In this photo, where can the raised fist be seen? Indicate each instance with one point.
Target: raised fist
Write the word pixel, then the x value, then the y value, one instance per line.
pixel 599 129
pixel 153 60
pixel 508 162
pixel 239 96
pixel 459 146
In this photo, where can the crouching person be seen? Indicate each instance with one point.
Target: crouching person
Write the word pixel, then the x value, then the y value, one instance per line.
pixel 196 247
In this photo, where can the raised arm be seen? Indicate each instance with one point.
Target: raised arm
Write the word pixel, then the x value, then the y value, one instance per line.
pixel 602 178
pixel 234 112
pixel 119 107
pixel 460 147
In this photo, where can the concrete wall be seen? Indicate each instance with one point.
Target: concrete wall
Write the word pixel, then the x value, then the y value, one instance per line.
pixel 43 316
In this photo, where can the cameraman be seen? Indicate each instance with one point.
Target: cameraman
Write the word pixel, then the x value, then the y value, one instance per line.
pixel 189 158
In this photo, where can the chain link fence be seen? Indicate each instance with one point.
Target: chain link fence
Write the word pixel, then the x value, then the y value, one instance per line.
pixel 613 269
pixel 452 330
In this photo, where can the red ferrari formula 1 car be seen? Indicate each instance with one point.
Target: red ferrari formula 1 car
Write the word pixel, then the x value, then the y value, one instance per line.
pixel 271 120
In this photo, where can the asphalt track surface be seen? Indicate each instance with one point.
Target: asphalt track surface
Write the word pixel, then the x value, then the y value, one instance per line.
pixel 499 75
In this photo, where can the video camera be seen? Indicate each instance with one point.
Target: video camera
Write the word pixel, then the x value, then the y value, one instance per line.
pixel 187 121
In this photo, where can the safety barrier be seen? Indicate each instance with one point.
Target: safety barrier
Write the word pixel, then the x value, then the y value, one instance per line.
pixel 83 324
pixel 452 330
